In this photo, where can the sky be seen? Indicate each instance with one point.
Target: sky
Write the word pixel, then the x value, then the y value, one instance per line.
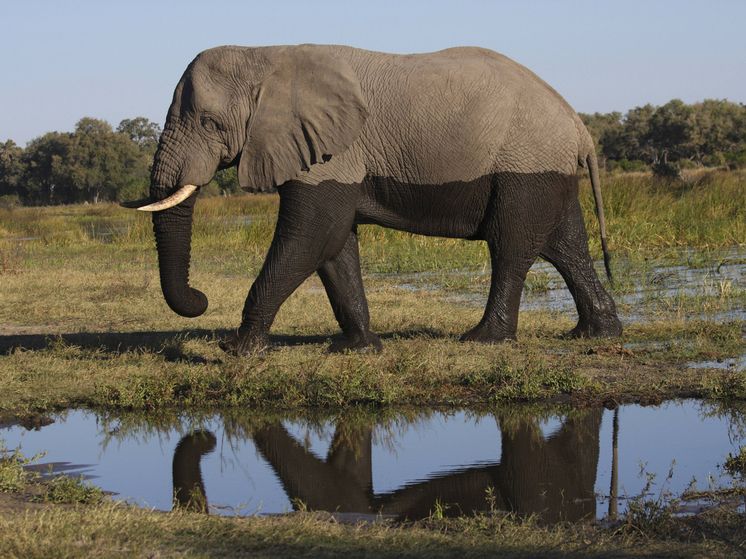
pixel 64 60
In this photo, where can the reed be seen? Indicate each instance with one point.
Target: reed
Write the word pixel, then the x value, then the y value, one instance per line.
pixel 701 210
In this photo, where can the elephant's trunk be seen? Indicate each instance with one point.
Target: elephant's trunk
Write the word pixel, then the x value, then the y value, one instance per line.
pixel 173 237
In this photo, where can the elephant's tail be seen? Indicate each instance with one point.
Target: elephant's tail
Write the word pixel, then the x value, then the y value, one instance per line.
pixel 596 185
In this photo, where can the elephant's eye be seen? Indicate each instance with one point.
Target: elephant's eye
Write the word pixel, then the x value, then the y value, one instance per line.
pixel 209 124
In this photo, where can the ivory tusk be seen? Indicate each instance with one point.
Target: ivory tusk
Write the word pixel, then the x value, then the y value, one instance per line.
pixel 134 204
pixel 147 205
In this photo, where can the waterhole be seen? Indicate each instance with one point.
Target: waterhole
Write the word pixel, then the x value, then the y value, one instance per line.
pixel 571 465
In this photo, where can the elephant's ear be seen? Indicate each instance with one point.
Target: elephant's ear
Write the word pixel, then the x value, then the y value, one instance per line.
pixel 306 110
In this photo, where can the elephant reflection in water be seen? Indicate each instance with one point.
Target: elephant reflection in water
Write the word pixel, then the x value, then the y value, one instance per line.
pixel 554 477
pixel 189 489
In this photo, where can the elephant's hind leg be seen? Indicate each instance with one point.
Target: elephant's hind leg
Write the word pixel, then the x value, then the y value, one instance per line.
pixel 500 320
pixel 516 228
pixel 567 250
pixel 344 285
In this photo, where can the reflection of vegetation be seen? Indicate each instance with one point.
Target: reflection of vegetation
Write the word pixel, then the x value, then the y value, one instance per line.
pixel 735 464
pixel 732 413
pixel 533 416
pixel 387 424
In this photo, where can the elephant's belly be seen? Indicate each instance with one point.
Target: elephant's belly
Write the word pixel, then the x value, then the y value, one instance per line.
pixel 445 210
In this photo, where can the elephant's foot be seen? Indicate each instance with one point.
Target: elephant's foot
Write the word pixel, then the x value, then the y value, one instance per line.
pixel 366 342
pixel 245 343
pixel 608 328
pixel 483 335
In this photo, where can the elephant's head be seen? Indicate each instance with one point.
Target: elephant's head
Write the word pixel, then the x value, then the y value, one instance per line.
pixel 273 111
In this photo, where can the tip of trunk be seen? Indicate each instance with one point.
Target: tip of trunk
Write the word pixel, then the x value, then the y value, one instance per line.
pixel 192 304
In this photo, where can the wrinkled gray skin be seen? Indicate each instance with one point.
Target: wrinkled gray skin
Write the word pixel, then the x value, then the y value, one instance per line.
pixel 459 143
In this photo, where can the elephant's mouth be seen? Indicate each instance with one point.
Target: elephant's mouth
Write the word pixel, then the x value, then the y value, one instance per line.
pixel 147 204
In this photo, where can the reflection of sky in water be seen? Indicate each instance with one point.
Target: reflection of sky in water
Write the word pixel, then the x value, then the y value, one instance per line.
pixel 234 472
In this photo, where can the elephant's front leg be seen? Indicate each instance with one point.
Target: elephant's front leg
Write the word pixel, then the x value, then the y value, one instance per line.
pixel 343 282
pixel 312 228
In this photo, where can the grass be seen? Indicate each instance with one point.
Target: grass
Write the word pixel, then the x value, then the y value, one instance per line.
pixel 15 477
pixel 97 333
pixel 107 530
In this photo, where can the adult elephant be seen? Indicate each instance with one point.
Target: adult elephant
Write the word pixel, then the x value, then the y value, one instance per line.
pixel 459 143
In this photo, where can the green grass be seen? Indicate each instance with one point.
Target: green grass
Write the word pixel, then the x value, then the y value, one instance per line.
pixel 706 209
pixel 62 489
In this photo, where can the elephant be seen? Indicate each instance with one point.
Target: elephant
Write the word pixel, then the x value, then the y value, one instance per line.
pixel 460 143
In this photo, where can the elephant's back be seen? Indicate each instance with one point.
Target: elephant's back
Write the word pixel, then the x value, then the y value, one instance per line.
pixel 462 113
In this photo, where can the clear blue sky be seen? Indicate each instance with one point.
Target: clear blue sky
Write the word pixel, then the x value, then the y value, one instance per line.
pixel 65 59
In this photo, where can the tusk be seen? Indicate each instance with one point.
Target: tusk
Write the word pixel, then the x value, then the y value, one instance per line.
pixel 134 204
pixel 147 204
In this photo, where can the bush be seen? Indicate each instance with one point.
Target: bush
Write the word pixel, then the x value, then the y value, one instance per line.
pixel 9 201
pixel 667 170
pixel 626 166
pixel 736 160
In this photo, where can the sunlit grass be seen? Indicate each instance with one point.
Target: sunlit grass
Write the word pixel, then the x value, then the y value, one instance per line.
pixel 81 307
pixel 703 210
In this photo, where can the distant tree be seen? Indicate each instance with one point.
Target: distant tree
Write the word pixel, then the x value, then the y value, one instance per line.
pixel 712 132
pixel 606 130
pixel 635 141
pixel 671 133
pixel 719 128
pixel 227 181
pixel 11 168
pixel 101 162
pixel 43 180
pixel 141 131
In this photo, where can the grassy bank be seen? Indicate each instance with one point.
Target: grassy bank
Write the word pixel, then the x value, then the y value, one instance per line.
pixel 83 322
pixel 108 530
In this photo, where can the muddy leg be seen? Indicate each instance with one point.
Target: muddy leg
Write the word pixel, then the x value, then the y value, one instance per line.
pixel 567 250
pixel 343 282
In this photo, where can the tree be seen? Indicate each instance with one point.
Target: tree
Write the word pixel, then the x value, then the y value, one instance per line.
pixel 635 137
pixel 11 168
pixel 141 131
pixel 671 132
pixel 43 180
pixel 606 130
pixel 102 162
pixel 719 128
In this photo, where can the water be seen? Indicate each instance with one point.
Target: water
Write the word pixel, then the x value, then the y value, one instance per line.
pixel 556 465
pixel 642 286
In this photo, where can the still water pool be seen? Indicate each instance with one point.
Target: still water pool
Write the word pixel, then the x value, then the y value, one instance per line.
pixel 558 464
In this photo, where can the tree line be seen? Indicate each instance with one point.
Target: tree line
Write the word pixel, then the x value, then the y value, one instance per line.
pixel 671 137
pixel 97 163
